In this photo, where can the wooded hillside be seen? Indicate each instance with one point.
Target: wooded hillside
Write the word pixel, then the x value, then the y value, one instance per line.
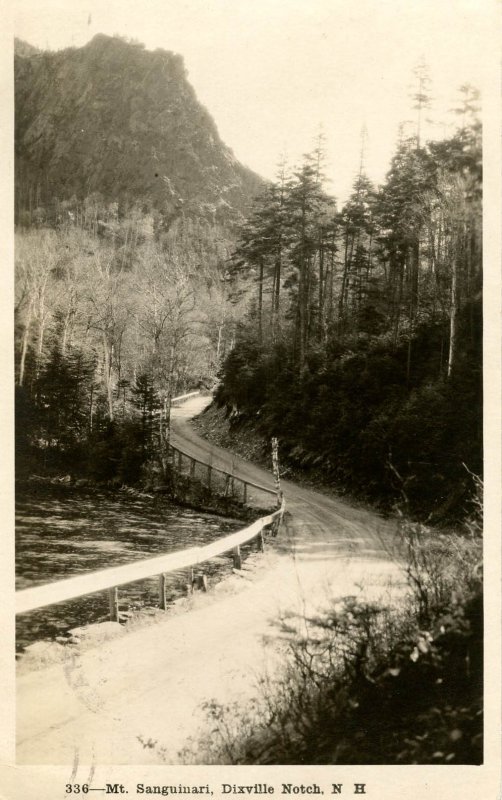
pixel 353 334
pixel 362 350
pixel 126 206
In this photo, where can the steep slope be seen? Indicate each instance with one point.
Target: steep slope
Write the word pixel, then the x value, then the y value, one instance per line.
pixel 115 119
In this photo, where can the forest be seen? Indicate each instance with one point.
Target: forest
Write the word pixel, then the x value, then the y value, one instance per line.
pixel 353 334
pixel 126 202
pixel 362 348
pixel 109 327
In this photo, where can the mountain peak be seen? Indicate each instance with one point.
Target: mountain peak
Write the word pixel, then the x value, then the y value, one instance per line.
pixel 102 40
pixel 116 119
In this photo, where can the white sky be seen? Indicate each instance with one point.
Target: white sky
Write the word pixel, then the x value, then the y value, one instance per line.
pixel 271 71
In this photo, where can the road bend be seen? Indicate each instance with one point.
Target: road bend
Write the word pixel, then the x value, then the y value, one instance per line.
pixel 137 698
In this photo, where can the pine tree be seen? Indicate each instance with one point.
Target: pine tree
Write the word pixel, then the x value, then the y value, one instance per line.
pixel 308 215
pixel 356 222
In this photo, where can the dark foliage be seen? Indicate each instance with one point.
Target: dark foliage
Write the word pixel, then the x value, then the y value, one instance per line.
pixel 62 425
pixel 420 703
pixel 377 430
pixel 117 453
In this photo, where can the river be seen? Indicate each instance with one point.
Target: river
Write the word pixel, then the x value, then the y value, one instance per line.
pixel 62 531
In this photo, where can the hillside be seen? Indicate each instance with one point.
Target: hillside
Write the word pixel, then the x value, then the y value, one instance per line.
pixel 115 119
pixel 362 350
pixel 24 49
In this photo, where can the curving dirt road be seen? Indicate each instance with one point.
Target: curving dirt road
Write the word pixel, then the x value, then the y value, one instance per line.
pixel 136 698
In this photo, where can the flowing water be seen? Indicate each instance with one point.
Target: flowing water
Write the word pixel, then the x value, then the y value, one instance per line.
pixel 61 531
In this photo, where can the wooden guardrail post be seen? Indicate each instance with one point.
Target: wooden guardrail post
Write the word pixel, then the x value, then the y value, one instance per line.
pixel 113 601
pixel 192 467
pixel 237 557
pixel 261 542
pixel 179 461
pixel 244 493
pixel 111 579
pixel 209 471
pixel 275 469
pixel 198 581
pixel 162 591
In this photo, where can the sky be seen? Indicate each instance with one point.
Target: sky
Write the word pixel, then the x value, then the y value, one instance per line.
pixel 273 72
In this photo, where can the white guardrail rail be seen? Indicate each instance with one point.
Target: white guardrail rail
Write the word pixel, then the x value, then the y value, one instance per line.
pixel 49 594
pixel 184 397
pixel 92 582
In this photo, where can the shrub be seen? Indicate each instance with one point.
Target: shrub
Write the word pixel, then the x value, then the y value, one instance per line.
pixel 117 452
pixel 355 407
pixel 368 684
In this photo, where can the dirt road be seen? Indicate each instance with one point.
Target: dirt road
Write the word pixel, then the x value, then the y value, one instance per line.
pixel 136 698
